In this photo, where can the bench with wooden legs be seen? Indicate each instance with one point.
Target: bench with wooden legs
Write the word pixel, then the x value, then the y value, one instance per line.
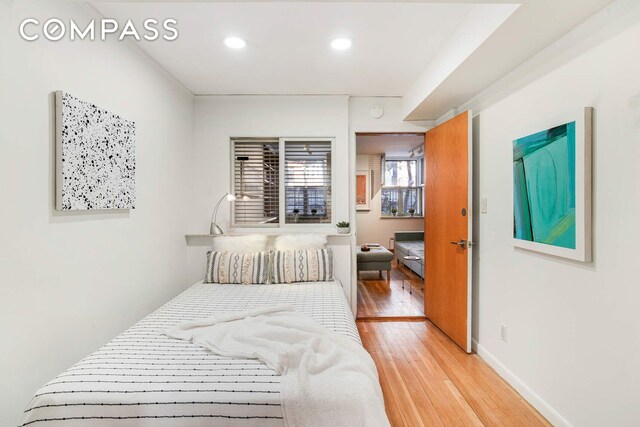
pixel 377 259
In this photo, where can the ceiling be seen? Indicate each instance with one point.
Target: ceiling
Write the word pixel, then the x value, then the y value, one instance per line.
pixel 532 27
pixel 392 145
pixel 436 54
pixel 288 44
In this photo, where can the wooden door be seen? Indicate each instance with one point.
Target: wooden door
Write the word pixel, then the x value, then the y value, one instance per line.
pixel 448 228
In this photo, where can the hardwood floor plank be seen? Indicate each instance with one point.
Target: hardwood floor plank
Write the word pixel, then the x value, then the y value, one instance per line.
pixel 390 402
pixel 495 402
pixel 507 399
pixel 472 418
pixel 428 380
pixel 394 391
pixel 424 382
pixel 379 297
pixel 433 380
pixel 479 398
pixel 388 359
pixel 406 362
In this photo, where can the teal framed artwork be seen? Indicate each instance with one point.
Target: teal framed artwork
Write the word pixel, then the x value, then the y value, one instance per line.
pixel 552 187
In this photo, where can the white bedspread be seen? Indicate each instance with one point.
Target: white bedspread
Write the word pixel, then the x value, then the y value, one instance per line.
pixel 144 378
pixel 327 379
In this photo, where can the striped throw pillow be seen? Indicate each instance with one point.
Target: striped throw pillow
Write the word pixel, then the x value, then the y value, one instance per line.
pixel 241 268
pixel 312 265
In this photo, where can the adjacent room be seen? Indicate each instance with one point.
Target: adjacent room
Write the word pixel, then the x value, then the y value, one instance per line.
pixel 319 213
pixel 390 223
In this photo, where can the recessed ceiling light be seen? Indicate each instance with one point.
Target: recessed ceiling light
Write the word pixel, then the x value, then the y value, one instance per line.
pixel 235 42
pixel 341 44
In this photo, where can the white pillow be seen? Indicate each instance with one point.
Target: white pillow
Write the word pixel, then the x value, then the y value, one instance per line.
pixel 298 242
pixel 239 244
pixel 307 265
pixel 247 268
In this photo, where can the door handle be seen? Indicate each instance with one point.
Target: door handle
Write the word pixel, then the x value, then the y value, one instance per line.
pixel 462 243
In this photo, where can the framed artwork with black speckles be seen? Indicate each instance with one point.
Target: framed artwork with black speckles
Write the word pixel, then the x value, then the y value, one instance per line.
pixel 95 157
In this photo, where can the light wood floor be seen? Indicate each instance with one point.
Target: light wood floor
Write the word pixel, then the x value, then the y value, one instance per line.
pixel 429 381
pixel 378 297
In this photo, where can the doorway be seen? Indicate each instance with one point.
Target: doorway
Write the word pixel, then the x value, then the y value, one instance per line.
pixel 390 225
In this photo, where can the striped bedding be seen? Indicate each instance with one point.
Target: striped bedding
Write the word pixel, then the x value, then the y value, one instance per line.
pixel 144 378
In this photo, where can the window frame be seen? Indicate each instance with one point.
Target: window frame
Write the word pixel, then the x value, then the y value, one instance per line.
pixel 398 188
pixel 282 203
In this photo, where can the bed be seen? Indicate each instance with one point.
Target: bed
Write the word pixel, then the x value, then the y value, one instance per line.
pixel 144 378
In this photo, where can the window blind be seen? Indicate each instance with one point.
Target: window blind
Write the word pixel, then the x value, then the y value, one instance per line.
pixel 307 183
pixel 256 178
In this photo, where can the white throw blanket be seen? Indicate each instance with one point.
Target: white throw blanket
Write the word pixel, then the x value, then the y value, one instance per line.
pixel 327 379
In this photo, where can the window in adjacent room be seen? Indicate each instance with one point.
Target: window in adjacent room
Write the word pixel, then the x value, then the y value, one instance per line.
pixel 281 181
pixel 402 188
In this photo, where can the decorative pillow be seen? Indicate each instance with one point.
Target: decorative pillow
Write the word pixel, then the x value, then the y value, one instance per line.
pixel 242 268
pixel 238 244
pixel 296 242
pixel 313 265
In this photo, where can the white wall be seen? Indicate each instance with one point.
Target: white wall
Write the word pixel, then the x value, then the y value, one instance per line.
pixel 218 118
pixel 371 227
pixel 368 229
pixel 72 281
pixel 392 121
pixel 574 330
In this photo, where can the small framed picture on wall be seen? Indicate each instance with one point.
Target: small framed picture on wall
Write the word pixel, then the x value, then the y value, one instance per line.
pixel 363 190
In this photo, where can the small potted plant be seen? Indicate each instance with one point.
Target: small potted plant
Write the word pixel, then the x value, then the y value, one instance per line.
pixel 343 227
pixel 411 211
pixel 314 211
pixel 394 211
pixel 296 212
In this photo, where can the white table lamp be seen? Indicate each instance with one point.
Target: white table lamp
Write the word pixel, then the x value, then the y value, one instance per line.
pixel 215 229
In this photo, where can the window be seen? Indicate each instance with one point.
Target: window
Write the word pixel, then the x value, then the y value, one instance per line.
pixel 282 181
pixel 402 188
pixel 308 182
pixel 256 178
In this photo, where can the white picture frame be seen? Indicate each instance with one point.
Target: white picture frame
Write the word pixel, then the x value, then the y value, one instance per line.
pixel 522 190
pixel 95 157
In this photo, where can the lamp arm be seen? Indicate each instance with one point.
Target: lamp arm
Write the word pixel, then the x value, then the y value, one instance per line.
pixel 214 215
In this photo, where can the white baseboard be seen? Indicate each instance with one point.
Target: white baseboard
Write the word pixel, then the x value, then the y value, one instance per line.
pixel 553 416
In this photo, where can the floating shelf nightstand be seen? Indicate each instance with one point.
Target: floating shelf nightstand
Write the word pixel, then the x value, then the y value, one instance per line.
pixel 203 235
